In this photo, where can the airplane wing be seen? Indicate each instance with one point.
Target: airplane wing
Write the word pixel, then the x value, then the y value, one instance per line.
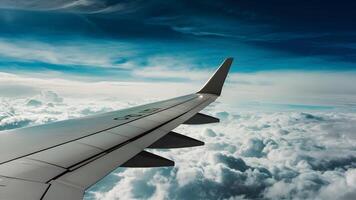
pixel 61 160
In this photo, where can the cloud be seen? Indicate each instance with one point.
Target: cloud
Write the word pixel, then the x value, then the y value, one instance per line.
pixel 76 6
pixel 168 68
pixel 263 90
pixel 291 142
pixel 65 54
pixel 316 87
pixel 35 4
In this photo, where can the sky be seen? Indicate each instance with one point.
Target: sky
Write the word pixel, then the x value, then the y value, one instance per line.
pixel 287 108
pixel 159 41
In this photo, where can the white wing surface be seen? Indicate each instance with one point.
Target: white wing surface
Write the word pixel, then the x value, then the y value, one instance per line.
pixel 61 160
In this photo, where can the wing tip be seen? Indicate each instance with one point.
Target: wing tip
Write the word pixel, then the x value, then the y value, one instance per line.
pixel 215 83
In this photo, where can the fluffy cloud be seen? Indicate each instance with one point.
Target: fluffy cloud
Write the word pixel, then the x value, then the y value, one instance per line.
pixel 281 155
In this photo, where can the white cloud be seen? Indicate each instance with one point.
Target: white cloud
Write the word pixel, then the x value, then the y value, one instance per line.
pixel 165 67
pixel 84 54
pixel 351 178
pixel 121 90
pixel 264 91
pixel 293 87
pixel 76 6
pixel 299 162
pixel 161 72
pixel 326 88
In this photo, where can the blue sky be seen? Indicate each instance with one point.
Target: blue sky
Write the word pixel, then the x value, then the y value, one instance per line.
pixel 113 38
pixel 288 53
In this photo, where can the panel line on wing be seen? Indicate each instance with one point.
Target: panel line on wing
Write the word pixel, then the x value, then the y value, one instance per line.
pixel 45 162
pixel 89 145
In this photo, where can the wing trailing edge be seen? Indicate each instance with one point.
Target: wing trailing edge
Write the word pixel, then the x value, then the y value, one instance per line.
pixel 216 81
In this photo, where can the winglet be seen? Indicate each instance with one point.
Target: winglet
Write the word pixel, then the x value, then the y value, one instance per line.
pixel 216 82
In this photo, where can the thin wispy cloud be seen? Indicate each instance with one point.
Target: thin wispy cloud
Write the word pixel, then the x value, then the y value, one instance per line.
pixel 242 90
pixel 82 54
pixel 72 6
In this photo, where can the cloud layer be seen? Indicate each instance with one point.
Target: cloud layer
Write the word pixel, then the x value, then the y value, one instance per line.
pixel 249 155
pixel 318 90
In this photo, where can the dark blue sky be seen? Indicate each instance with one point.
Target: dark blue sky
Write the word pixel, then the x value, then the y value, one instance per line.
pixel 261 35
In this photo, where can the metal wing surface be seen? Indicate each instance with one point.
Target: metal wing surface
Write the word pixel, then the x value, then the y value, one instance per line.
pixel 61 160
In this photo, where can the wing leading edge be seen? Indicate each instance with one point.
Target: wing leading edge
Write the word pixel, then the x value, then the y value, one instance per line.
pixel 79 156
